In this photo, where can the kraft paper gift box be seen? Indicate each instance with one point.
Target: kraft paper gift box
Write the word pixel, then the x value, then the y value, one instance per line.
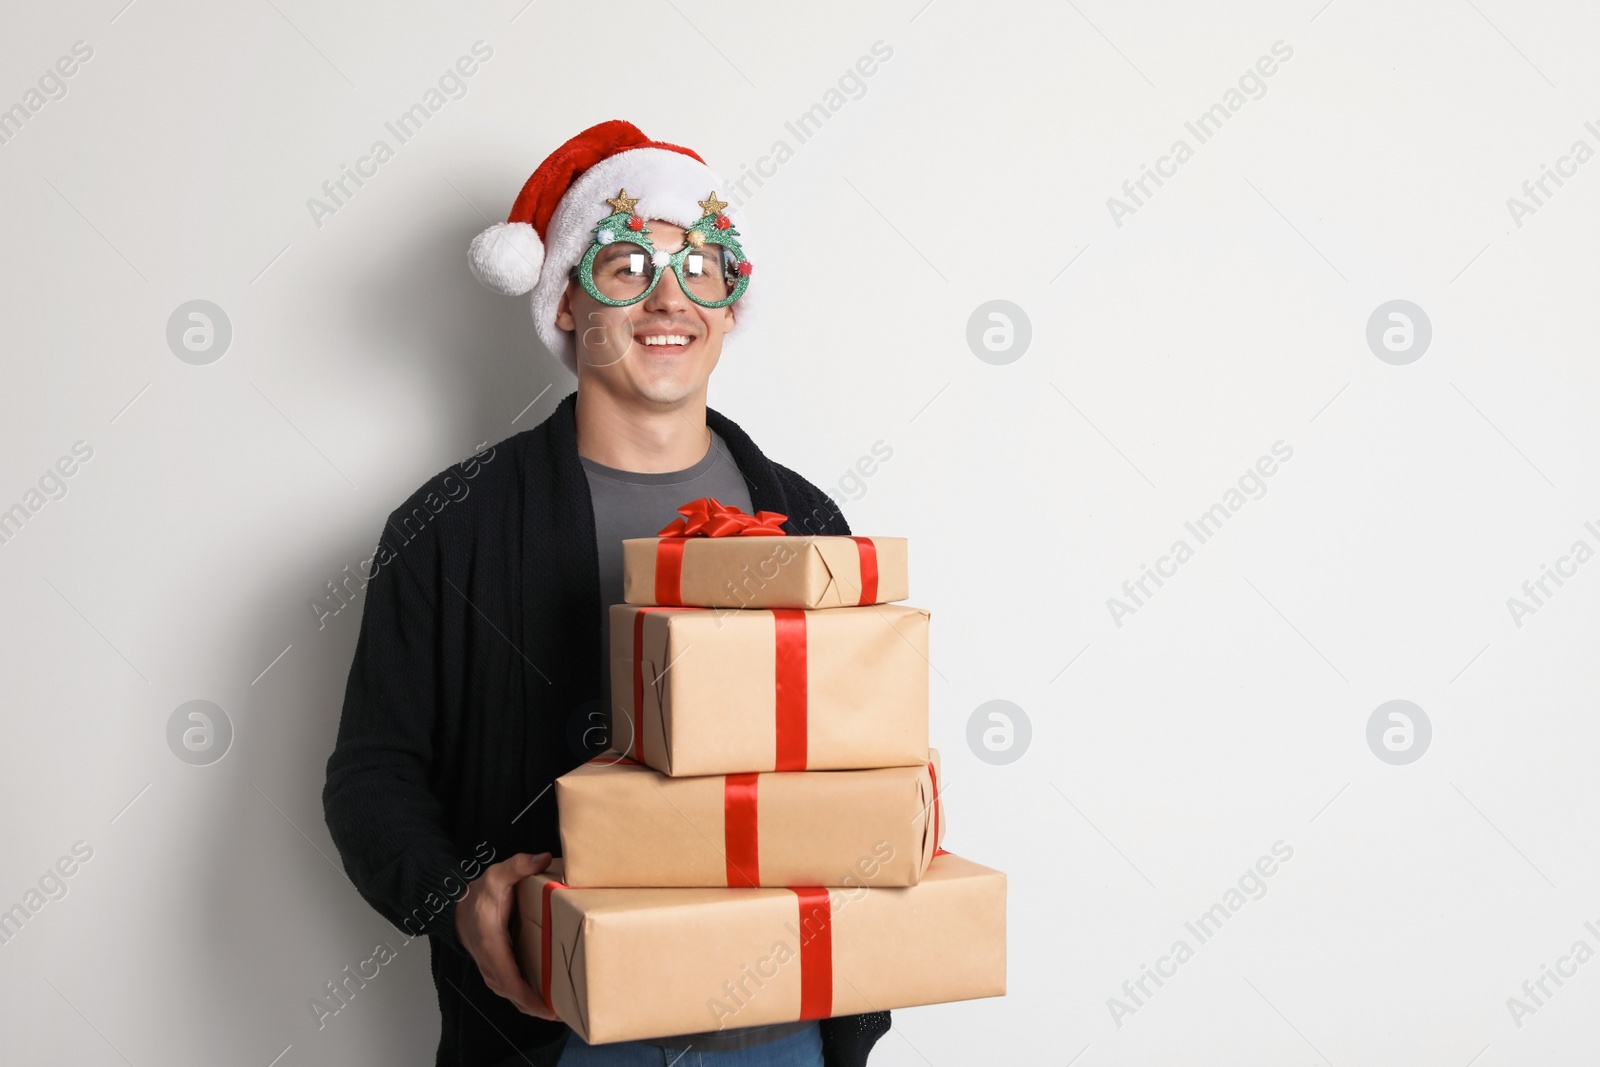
pixel 764 571
pixel 626 824
pixel 712 691
pixel 625 964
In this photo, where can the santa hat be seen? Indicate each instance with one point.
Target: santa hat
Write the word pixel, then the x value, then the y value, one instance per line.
pixel 552 223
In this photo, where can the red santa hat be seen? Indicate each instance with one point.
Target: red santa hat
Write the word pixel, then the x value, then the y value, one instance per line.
pixel 552 222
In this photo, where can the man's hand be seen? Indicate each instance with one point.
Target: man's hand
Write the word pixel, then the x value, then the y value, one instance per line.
pixel 483 926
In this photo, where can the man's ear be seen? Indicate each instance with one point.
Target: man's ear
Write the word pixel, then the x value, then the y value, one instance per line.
pixel 564 318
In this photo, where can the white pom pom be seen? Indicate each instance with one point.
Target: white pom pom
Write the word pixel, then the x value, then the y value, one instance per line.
pixel 506 257
pixel 605 237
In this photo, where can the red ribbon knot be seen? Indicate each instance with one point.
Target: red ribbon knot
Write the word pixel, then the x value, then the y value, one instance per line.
pixel 709 517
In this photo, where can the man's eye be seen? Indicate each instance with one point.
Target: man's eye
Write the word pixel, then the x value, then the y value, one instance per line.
pixel 631 265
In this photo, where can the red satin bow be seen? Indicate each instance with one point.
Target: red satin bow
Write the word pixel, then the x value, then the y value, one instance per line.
pixel 708 517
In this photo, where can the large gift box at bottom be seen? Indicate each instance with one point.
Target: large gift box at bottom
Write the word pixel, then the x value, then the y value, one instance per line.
pixel 625 964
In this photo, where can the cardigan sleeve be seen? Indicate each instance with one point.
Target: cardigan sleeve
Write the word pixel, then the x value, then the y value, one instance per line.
pixel 385 820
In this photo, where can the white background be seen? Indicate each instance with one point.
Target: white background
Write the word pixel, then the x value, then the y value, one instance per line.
pixel 1228 313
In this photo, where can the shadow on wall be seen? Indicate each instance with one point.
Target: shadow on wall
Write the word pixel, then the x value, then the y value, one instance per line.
pixel 429 320
pixel 283 926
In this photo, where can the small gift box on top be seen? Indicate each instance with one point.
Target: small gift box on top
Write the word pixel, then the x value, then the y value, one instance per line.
pixel 717 556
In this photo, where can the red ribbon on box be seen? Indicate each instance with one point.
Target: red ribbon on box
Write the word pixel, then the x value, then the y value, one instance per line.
pixel 709 517
pixel 544 941
pixel 815 931
pixel 869 569
pixel 705 517
pixel 789 693
pixel 741 829
pixel 741 825
pixel 816 951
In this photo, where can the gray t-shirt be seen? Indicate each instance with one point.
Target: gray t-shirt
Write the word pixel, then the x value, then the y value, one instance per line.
pixel 631 504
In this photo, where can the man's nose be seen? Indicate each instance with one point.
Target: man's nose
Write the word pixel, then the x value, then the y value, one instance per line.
pixel 667 290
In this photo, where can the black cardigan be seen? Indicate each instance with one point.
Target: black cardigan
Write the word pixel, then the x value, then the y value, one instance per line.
pixel 475 684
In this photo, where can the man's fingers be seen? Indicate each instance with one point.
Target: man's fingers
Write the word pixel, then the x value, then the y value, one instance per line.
pixel 496 961
pixel 501 975
pixel 499 966
pixel 488 938
pixel 524 997
pixel 522 865
pixel 529 1002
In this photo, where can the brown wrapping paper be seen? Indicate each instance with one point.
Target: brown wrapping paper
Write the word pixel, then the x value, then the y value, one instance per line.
pixel 626 964
pixel 625 824
pixel 710 699
pixel 767 572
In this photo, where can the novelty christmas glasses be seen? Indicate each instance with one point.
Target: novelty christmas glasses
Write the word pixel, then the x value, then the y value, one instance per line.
pixel 623 266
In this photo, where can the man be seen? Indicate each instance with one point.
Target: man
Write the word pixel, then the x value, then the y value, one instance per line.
pixel 480 671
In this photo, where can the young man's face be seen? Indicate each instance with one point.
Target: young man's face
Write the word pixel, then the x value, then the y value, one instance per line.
pixel 620 349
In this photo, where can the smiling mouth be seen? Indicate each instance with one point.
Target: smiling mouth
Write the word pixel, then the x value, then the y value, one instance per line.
pixel 668 341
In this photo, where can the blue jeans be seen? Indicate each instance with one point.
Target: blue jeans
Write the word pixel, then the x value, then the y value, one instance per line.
pixel 803 1049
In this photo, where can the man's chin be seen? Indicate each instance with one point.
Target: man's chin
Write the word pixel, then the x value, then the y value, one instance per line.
pixel 668 378
pixel 667 389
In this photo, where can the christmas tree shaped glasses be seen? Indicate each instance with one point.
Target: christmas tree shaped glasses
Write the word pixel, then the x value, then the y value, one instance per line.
pixel 623 266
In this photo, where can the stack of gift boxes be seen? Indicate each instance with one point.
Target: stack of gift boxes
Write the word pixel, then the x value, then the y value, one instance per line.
pixel 762 843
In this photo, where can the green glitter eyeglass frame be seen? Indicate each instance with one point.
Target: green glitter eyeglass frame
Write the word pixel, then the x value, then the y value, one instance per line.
pixel 712 228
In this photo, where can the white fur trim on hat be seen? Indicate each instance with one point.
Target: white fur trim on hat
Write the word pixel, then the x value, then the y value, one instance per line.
pixel 668 185
pixel 506 257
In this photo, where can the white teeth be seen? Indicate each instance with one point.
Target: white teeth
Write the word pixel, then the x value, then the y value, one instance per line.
pixel 666 339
